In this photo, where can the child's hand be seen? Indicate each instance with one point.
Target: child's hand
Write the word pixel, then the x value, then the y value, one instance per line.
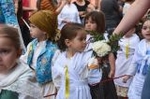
pixel 93 63
pixel 125 78
pixel 111 74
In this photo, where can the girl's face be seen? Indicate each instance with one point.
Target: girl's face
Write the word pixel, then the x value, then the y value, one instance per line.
pixel 78 43
pixel 90 25
pixel 35 32
pixel 8 54
pixel 146 30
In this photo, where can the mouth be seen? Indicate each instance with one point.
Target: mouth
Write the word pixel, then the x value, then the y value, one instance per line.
pixel 148 34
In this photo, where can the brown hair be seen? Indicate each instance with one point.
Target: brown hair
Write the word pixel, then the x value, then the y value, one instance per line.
pixel 11 33
pixel 99 18
pixel 69 31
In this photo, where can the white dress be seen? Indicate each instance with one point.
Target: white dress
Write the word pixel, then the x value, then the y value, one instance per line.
pixel 140 65
pixel 78 75
pixel 70 13
pixel 122 62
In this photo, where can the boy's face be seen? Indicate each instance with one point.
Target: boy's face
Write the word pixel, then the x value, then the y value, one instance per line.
pixel 8 54
pixel 90 25
pixel 35 32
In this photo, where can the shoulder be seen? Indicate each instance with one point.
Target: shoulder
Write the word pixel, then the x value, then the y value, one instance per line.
pixel 50 44
pixel 142 43
pixel 136 37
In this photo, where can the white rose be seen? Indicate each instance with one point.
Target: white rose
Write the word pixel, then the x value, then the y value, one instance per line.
pixel 101 48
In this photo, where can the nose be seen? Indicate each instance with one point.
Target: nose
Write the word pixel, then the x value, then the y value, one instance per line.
pixel 85 42
pixel 0 57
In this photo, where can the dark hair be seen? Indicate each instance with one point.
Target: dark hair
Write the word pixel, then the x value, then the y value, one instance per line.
pixel 99 18
pixel 11 33
pixel 69 31
pixel 129 0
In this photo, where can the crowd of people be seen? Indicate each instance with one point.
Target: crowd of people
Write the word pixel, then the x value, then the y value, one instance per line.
pixel 46 52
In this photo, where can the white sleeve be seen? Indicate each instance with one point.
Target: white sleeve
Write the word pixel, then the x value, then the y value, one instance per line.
pixel 56 76
pixel 133 66
pixel 25 56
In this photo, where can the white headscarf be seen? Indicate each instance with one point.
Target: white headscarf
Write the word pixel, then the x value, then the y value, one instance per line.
pixel 19 80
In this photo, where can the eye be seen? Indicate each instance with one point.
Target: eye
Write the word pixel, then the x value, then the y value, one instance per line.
pixel 4 51
pixel 144 27
pixel 33 26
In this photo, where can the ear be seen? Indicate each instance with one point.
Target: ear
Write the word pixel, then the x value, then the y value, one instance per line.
pixel 19 52
pixel 67 42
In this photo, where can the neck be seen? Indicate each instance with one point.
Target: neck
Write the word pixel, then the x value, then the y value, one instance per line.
pixel 42 38
pixel 70 53
pixel 148 42
pixel 80 1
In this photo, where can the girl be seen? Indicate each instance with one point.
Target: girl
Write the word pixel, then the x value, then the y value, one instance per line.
pixel 41 50
pixel 70 70
pixel 124 57
pixel 14 74
pixel 68 14
pixel 95 23
pixel 140 63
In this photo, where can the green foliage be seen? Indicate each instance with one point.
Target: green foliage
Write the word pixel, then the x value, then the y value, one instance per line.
pixel 96 36
pixel 113 41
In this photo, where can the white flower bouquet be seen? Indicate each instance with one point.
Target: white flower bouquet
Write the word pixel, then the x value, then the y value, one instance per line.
pixel 101 48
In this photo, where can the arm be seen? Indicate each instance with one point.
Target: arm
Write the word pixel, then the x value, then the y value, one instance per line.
pixel 29 9
pixel 136 11
pixel 111 59
pixel 60 6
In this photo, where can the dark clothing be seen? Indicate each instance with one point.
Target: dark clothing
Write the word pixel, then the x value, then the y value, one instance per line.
pixel 112 13
pixel 5 94
pixel 104 90
pixel 25 15
pixel 82 8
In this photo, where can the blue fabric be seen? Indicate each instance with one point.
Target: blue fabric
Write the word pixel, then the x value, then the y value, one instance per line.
pixel 145 68
pixel 7 12
pixel 146 87
pixel 43 68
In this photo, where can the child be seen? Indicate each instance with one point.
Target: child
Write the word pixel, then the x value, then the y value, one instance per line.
pixel 68 14
pixel 41 50
pixel 14 74
pixel 70 70
pixel 140 63
pixel 124 57
pixel 95 21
